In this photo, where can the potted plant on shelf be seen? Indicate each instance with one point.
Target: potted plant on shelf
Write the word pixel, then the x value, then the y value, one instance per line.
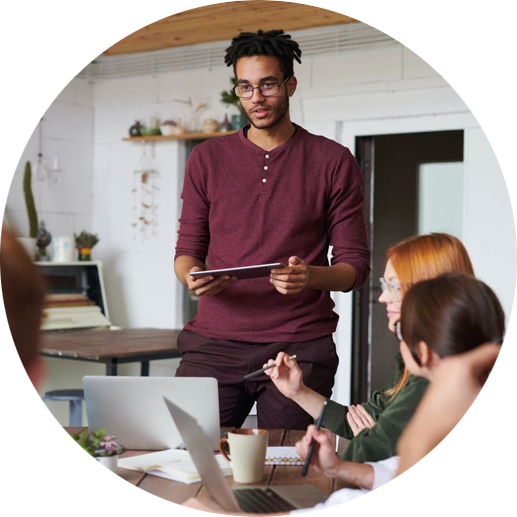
pixel 77 471
pixel 30 242
pixel 101 446
pixel 84 242
pixel 229 98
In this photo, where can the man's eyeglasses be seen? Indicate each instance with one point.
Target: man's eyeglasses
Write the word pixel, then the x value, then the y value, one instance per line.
pixel 267 89
pixel 392 288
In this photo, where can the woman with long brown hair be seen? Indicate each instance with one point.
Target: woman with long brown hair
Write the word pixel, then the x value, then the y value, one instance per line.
pixel 375 426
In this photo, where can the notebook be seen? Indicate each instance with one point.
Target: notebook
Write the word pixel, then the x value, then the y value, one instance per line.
pixel 236 499
pixel 132 409
pixel 283 456
pixel 172 464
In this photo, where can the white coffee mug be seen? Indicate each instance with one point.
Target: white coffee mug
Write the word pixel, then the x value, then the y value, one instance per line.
pixel 247 454
pixel 63 249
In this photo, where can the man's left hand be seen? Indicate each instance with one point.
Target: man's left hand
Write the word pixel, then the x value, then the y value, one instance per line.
pixel 291 279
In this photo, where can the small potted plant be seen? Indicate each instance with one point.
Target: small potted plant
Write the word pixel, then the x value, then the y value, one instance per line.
pixel 84 242
pixel 77 472
pixel 101 446
pixel 229 98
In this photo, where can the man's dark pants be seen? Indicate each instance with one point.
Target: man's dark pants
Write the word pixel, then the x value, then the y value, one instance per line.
pixel 228 361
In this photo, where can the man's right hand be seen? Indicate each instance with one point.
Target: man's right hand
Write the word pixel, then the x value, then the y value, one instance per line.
pixel 207 285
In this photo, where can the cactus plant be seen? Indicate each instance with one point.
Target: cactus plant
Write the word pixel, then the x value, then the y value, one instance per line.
pixel 29 201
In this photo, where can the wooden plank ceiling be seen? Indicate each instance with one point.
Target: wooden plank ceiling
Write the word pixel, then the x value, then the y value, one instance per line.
pixel 114 27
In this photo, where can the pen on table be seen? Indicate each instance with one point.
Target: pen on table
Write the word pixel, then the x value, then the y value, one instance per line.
pixel 252 374
pixel 313 441
pixel 41 435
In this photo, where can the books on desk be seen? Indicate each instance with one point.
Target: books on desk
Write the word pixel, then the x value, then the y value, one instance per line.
pixel 283 456
pixel 172 464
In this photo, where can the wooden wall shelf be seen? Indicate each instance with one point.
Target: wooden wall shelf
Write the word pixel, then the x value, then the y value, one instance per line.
pixel 184 136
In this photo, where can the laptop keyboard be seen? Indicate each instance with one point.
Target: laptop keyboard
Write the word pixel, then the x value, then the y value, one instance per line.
pixel 259 500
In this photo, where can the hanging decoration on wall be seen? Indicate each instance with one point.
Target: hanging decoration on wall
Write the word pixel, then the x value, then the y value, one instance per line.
pixel 43 174
pixel 145 194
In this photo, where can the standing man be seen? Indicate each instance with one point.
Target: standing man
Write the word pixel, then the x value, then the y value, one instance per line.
pixel 272 192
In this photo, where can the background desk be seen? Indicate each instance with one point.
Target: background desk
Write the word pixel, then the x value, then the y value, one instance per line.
pixel 112 347
pixel 179 492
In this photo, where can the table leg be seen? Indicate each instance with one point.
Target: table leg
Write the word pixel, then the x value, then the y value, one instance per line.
pixel 111 367
pixel 144 370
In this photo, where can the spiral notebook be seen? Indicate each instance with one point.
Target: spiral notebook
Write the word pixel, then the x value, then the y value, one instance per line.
pixel 283 456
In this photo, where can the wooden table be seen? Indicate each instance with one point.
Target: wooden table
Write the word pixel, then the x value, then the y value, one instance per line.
pixel 112 347
pixel 179 492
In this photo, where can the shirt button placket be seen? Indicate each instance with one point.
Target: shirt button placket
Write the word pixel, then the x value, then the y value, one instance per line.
pixel 264 179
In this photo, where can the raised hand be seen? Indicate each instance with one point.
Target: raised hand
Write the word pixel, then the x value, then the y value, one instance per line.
pixel 287 375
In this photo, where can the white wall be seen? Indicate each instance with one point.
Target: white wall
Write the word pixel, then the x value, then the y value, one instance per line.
pixel 67 130
pixel 489 227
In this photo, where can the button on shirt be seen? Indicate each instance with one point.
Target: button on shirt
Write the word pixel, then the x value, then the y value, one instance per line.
pixel 239 211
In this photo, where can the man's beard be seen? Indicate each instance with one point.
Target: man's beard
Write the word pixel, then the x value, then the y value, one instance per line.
pixel 282 108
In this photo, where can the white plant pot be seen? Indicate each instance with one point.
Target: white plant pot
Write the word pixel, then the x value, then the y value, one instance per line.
pixel 30 246
pixel 106 468
pixel 73 483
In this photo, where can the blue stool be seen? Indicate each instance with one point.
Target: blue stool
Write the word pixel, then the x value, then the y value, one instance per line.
pixel 75 398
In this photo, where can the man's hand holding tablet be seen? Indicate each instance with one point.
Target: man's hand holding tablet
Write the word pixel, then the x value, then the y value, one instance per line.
pixel 211 282
pixel 207 285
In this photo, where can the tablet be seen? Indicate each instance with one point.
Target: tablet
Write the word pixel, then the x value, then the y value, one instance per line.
pixel 241 272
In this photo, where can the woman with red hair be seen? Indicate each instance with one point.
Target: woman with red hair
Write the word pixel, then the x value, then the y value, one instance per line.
pixel 375 426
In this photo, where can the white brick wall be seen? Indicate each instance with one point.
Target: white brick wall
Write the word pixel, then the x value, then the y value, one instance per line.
pixel 67 132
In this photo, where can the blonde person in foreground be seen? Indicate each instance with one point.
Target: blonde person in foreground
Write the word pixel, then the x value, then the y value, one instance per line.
pixel 474 473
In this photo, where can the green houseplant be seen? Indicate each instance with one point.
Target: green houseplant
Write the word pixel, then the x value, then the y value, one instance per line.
pixel 229 98
pixel 101 446
pixel 84 242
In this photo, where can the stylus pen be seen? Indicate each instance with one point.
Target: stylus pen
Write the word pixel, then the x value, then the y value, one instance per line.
pixel 257 372
pixel 313 441
pixel 41 435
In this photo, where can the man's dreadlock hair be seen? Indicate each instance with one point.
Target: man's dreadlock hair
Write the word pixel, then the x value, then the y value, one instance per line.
pixel 271 43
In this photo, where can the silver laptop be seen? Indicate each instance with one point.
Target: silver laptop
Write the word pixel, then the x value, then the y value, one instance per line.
pixel 237 499
pixel 132 408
